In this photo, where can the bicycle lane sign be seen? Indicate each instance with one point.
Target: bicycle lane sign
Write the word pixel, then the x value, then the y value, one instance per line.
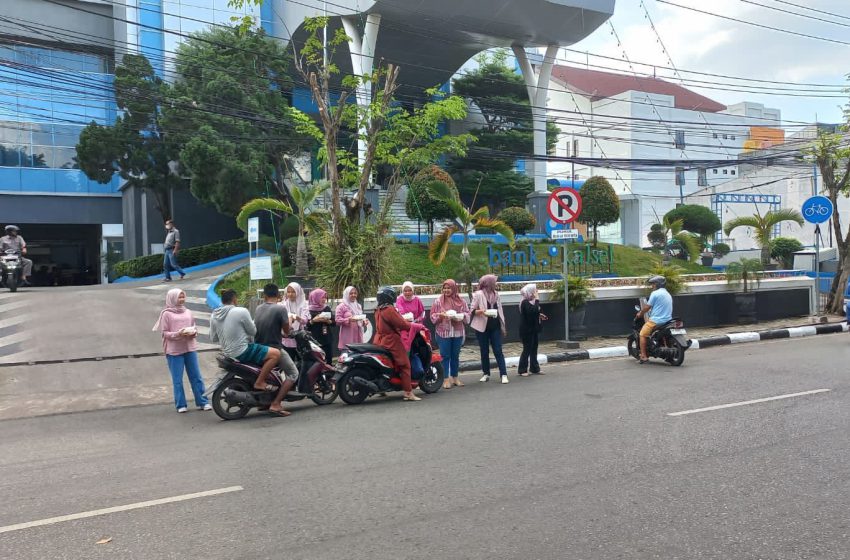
pixel 817 209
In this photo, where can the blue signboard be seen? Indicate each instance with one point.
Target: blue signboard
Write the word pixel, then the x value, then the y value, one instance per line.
pixel 817 209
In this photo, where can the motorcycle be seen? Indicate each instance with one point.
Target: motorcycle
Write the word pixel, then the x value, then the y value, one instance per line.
pixel 667 342
pixel 233 393
pixel 368 369
pixel 11 269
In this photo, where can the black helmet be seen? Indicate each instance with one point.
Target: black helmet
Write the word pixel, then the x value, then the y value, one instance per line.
pixel 11 227
pixel 658 280
pixel 386 296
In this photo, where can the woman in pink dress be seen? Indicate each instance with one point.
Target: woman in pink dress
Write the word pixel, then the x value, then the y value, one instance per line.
pixel 350 329
pixel 408 302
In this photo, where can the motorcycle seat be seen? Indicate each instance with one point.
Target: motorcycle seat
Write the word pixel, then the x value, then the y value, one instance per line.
pixel 368 349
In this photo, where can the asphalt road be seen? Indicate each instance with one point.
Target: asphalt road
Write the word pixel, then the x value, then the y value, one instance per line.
pixel 583 463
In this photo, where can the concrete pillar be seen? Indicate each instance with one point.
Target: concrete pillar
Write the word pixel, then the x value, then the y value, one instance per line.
pixel 362 49
pixel 538 90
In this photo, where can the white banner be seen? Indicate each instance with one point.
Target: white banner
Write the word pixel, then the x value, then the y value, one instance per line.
pixel 261 268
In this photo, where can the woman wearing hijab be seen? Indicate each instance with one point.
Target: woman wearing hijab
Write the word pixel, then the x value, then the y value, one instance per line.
pixel 529 329
pixel 350 329
pixel 450 315
pixel 296 304
pixel 488 322
pixel 321 321
pixel 178 329
pixel 409 304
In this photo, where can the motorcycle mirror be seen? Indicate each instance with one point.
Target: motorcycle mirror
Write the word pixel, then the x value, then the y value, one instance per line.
pixel 637 307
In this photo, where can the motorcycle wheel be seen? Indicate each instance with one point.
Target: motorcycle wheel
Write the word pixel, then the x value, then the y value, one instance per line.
pixel 324 391
pixel 12 283
pixel 226 410
pixel 432 379
pixel 680 353
pixel 349 391
pixel 634 349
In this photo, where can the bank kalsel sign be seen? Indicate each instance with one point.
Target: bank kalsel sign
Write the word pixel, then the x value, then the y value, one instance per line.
pixel 584 260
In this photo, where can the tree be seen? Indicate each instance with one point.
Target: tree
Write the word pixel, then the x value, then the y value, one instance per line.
pixel 487 172
pixel 696 219
pixel 674 234
pixel 229 113
pixel 136 146
pixel 762 227
pixel 783 249
pixel 600 204
pixel 420 205
pixel 657 236
pixel 518 219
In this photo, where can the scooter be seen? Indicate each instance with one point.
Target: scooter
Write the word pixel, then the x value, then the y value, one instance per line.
pixel 11 269
pixel 233 393
pixel 667 342
pixel 368 369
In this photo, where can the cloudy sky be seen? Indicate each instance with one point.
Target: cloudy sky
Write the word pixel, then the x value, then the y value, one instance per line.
pixel 710 44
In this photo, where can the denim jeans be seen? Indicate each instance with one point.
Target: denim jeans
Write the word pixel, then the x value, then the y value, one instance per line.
pixel 189 362
pixel 450 351
pixel 169 263
pixel 485 340
pixel 530 343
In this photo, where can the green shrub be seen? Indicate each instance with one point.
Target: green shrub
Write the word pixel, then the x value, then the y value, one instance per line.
pixel 151 265
pixel 673 275
pixel 519 219
pixel 580 291
pixel 721 250
pixel 783 249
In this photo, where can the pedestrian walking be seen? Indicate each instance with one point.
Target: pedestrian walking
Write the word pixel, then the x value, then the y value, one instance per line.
pixel 321 321
pixel 299 315
pixel 172 247
pixel 488 322
pixel 530 324
pixel 350 319
pixel 409 305
pixel 179 331
pixel 450 315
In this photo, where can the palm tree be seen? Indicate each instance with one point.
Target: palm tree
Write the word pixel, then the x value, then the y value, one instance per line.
pixel 763 227
pixel 673 231
pixel 309 219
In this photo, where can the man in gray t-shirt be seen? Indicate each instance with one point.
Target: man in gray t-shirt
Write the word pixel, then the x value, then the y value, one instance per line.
pixel 14 242
pixel 172 246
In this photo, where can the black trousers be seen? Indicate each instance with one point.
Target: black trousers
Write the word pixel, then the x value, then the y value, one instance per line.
pixel 530 342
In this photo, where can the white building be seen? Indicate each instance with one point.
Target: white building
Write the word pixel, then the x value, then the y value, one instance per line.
pixel 626 117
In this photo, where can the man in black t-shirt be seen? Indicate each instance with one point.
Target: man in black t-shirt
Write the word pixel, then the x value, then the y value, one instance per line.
pixel 272 322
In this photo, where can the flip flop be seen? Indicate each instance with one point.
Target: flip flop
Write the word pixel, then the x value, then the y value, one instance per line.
pixel 279 413
pixel 268 388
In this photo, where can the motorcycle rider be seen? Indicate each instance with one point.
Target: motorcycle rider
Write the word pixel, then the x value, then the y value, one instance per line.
pixel 658 311
pixel 13 241
pixel 389 325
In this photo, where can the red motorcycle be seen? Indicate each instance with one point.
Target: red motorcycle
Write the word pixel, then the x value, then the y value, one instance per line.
pixel 367 369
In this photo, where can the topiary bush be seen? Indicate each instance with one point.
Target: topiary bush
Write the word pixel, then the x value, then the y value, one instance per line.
pixel 721 250
pixel 783 249
pixel 519 219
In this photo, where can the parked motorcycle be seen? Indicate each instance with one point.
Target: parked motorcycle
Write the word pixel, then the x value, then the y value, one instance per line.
pixel 233 393
pixel 11 269
pixel 368 369
pixel 667 342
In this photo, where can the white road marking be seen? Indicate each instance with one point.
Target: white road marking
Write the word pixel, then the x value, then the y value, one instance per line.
pixel 743 403
pixel 116 509
pixel 797 332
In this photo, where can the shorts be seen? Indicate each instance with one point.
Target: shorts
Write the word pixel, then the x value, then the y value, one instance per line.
pixel 255 354
pixel 287 367
pixel 647 328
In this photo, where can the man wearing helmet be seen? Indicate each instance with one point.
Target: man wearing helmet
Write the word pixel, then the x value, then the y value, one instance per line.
pixel 14 242
pixel 389 325
pixel 658 310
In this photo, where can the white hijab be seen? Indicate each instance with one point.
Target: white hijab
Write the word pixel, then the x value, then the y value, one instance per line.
pixel 356 308
pixel 295 307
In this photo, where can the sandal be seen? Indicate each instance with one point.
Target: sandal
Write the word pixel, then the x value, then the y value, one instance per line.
pixel 523 374
pixel 268 388
pixel 447 384
pixel 411 397
pixel 457 382
pixel 280 413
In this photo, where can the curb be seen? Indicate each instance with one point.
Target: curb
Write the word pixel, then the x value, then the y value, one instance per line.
pixel 190 269
pixel 700 343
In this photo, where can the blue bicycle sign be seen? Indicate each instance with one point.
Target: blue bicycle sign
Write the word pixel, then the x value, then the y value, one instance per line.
pixel 817 209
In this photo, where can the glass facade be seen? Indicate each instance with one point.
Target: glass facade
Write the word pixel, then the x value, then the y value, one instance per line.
pixel 47 96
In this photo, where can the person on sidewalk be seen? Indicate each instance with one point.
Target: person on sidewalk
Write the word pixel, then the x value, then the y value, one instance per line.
pixel 450 315
pixel 321 321
pixel 389 325
pixel 177 325
pixel 408 302
pixel 657 311
pixel 350 328
pixel 488 322
pixel 272 322
pixel 299 315
pixel 172 247
pixel 232 327
pixel 530 324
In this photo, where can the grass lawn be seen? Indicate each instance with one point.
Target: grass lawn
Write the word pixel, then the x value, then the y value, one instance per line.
pixel 410 262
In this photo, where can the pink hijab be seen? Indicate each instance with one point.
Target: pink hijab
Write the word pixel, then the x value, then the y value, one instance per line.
pixel 316 297
pixel 487 284
pixel 170 307
pixel 453 301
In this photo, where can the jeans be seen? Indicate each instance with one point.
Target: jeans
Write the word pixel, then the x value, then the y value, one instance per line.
pixel 450 351
pixel 530 342
pixel 169 263
pixel 189 362
pixel 485 340
pixel 416 367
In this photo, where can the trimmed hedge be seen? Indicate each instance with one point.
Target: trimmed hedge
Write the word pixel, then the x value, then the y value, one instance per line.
pixel 152 264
